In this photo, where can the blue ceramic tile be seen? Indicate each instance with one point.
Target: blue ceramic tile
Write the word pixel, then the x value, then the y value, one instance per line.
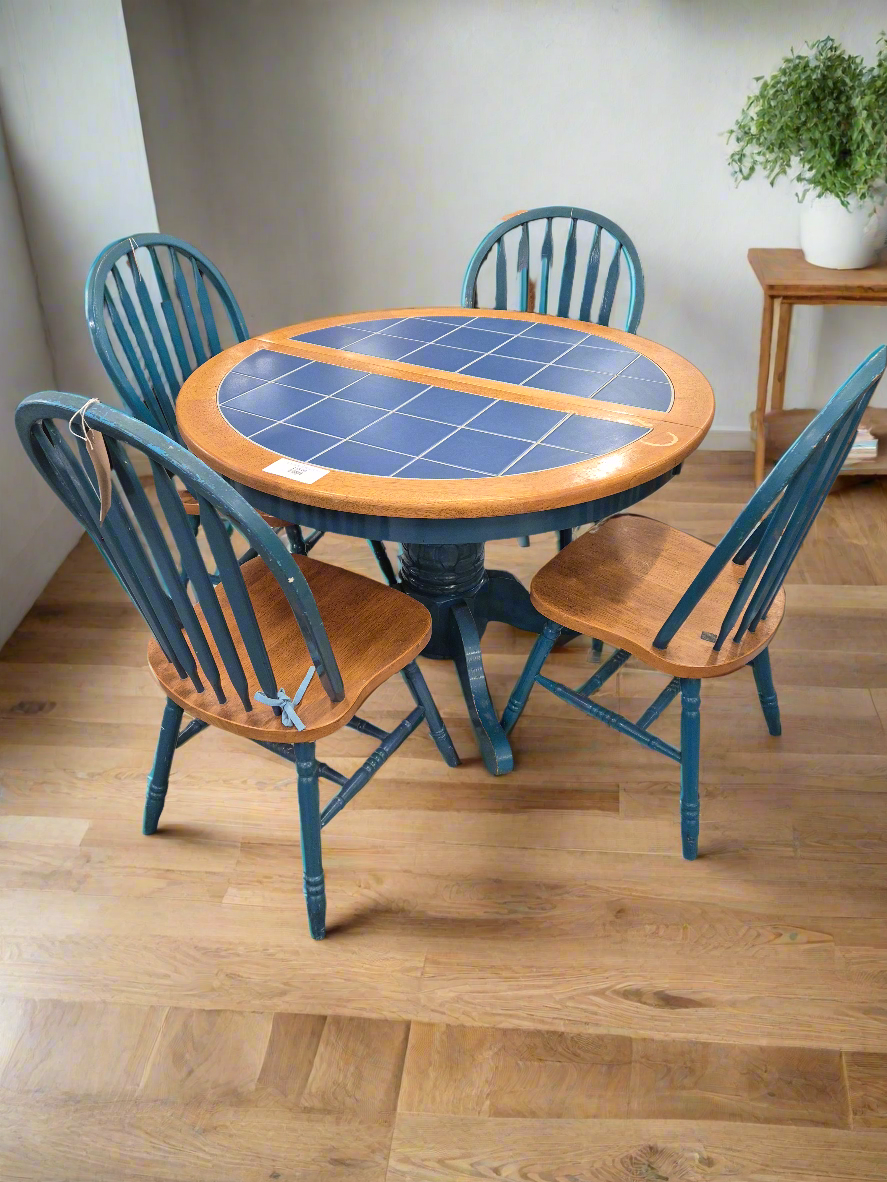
pixel 473 449
pixel 440 357
pixel 643 367
pixel 595 437
pixel 374 390
pixel 451 320
pixel 320 378
pixel 356 457
pixel 554 332
pixel 335 416
pixel 374 325
pixel 265 364
pixel 337 336
pixel 541 457
pixel 502 324
pixel 393 348
pixel 236 384
pixel 580 382
pixel 417 329
pixel 531 350
pixel 635 392
pixel 522 422
pixel 475 338
pixel 293 442
pixel 274 401
pixel 399 432
pixel 447 406
pixel 502 369
pixel 246 424
pixel 427 470
pixel 600 360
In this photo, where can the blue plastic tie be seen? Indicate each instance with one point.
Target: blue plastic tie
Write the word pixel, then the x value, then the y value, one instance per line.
pixel 286 704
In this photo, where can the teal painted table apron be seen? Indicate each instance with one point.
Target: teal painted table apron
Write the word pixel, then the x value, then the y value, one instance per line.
pixel 428 400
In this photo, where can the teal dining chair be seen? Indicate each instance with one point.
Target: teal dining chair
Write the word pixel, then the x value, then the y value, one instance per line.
pixel 686 608
pixel 283 650
pixel 156 309
pixel 608 248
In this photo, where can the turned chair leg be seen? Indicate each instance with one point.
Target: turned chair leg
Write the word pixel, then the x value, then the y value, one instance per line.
pixel 383 562
pixel 535 661
pixel 767 691
pixel 158 780
pixel 309 829
pixel 690 766
pixel 418 687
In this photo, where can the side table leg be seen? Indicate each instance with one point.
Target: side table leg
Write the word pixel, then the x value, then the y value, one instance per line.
pixel 780 359
pixel 763 386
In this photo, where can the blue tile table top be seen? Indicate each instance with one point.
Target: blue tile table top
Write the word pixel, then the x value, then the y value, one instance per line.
pixel 519 352
pixel 348 419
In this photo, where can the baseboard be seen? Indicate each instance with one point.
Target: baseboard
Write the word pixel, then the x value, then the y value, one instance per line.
pixel 724 439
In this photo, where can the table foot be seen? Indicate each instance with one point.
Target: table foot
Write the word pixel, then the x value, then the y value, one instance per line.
pixel 466 655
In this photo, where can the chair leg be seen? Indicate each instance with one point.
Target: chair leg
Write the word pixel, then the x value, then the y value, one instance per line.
pixel 309 829
pixel 523 541
pixel 564 537
pixel 158 780
pixel 535 661
pixel 378 549
pixel 690 766
pixel 597 646
pixel 296 539
pixel 418 687
pixel 767 691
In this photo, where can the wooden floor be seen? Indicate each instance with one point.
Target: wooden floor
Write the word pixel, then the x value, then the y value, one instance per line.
pixel 522 979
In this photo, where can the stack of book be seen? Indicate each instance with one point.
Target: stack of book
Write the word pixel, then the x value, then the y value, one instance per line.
pixel 863 450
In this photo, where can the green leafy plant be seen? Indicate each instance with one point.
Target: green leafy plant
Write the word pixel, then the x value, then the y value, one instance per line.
pixel 821 120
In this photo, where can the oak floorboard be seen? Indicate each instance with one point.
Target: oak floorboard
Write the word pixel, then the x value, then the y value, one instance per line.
pixel 522 977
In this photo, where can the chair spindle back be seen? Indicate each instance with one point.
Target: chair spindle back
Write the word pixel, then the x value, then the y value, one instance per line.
pixel 609 247
pixel 770 530
pixel 135 546
pixel 149 307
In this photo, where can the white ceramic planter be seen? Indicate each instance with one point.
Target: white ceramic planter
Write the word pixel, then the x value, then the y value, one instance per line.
pixel 840 238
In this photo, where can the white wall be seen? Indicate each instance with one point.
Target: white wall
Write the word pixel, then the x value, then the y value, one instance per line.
pixel 35 533
pixel 352 154
pixel 78 164
pixel 72 122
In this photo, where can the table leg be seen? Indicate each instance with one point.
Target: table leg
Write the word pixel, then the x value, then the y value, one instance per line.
pixel 462 597
pixel 763 385
pixel 780 360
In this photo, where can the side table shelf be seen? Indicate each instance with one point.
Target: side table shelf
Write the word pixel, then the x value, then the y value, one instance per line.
pixel 782 428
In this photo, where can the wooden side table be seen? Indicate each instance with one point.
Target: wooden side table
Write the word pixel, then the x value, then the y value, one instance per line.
pixel 788 279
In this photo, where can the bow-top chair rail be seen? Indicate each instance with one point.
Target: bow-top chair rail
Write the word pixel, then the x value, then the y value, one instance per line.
pixel 156 309
pixel 689 609
pixel 609 249
pixel 586 277
pixel 283 650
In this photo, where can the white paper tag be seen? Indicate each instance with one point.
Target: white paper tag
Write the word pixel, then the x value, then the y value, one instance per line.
pixel 296 470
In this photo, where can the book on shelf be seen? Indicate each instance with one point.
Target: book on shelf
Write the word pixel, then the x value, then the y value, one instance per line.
pixel 863 450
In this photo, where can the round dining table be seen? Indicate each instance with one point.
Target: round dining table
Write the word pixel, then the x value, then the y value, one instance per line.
pixel 442 429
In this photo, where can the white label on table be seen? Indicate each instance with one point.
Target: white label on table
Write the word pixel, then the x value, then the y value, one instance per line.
pixel 296 470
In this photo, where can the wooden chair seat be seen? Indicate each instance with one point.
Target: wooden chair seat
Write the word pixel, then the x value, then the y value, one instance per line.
pixel 374 631
pixel 192 508
pixel 620 582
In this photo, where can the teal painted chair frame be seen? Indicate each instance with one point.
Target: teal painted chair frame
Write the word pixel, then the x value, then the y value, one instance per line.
pixel 765 538
pixel 136 547
pixel 161 346
pixel 623 249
